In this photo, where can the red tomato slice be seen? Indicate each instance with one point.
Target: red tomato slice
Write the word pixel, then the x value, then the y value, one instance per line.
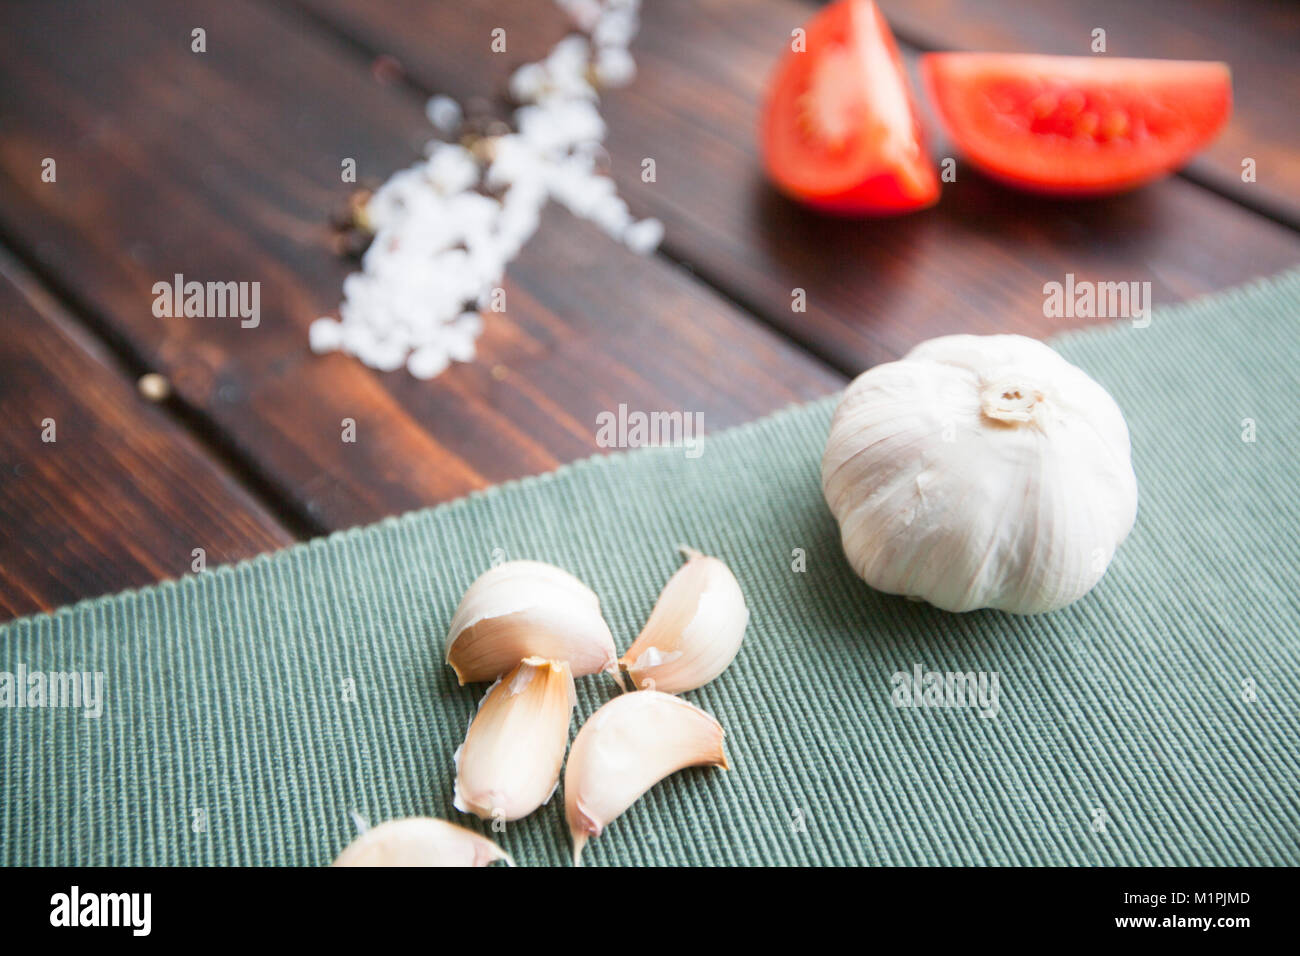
pixel 839 131
pixel 1075 125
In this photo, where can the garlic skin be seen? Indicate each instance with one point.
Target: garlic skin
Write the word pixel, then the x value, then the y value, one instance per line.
pixel 694 631
pixel 510 762
pixel 624 749
pixel 980 471
pixel 421 841
pixel 528 609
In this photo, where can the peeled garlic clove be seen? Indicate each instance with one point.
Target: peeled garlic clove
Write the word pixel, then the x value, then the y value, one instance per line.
pixel 528 609
pixel 421 841
pixel 694 630
pixel 510 762
pixel 625 748
pixel 980 471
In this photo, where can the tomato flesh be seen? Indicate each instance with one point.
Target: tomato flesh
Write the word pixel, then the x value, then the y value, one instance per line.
pixel 839 131
pixel 1077 125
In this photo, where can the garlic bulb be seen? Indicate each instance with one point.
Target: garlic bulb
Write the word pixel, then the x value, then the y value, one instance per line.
pixel 421 841
pixel 509 764
pixel 528 609
pixel 625 748
pixel 694 630
pixel 980 471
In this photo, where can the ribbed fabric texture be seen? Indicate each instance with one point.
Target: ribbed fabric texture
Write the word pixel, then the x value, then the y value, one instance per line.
pixel 1126 731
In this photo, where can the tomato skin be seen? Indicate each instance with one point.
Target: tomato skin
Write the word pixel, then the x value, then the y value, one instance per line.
pixel 1076 126
pixel 880 195
pixel 878 165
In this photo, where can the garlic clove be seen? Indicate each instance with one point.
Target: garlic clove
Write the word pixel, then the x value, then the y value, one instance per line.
pixel 528 609
pixel 510 762
pixel 624 749
pixel 694 631
pixel 421 841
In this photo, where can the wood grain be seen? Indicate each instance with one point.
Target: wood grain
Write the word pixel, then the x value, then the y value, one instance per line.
pixel 225 165
pixel 1257 38
pixel 123 494
pixel 977 262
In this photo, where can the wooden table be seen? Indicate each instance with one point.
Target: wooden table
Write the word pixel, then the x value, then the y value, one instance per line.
pixel 225 165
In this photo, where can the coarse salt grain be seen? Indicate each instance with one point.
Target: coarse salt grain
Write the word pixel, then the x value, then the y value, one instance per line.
pixel 444 113
pixel 440 244
pixel 616 28
pixel 427 362
pixel 644 237
pixel 528 82
pixel 585 13
pixel 612 216
pixel 326 335
pixel 452 169
pixel 615 66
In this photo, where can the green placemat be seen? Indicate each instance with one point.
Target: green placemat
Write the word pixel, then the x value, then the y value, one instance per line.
pixel 1154 722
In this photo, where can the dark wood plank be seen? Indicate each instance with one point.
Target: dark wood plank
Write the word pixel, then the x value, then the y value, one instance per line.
pixel 225 165
pixel 977 262
pixel 123 494
pixel 1257 38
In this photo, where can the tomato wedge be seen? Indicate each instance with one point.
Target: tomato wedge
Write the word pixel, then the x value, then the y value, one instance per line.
pixel 839 130
pixel 1074 125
